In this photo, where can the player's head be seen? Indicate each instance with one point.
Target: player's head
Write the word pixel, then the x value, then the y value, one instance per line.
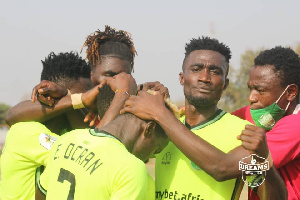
pixel 143 138
pixel 68 70
pixel 109 52
pixel 151 138
pixel 204 71
pixel 276 71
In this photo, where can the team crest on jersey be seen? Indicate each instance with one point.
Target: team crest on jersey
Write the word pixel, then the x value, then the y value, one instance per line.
pixel 254 173
pixel 166 159
pixel 47 140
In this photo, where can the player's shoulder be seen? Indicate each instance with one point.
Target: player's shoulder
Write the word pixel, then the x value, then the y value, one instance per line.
pixel 232 119
pixel 241 111
pixel 127 165
pixel 131 160
pixel 289 121
pixel 28 125
pixel 76 133
pixel 28 130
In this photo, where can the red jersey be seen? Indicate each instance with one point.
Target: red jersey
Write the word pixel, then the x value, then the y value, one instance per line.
pixel 284 145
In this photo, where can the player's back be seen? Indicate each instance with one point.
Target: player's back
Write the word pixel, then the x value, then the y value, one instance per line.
pixel 26 148
pixel 89 165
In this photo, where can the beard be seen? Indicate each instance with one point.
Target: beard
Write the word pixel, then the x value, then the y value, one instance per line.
pixel 201 102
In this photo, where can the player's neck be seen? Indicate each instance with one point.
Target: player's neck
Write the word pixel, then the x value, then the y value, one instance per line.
pixel 195 115
pixel 291 108
pixel 127 131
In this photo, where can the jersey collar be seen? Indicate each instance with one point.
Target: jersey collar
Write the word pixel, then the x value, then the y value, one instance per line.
pixel 218 115
pixel 102 133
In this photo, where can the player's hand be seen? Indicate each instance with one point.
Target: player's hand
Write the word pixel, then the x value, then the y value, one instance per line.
pixel 122 81
pixel 47 91
pixel 92 117
pixel 89 98
pixel 45 99
pixel 156 86
pixel 254 140
pixel 144 105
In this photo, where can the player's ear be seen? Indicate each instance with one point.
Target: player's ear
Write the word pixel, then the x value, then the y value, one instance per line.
pixel 226 84
pixel 181 80
pixel 149 129
pixel 292 92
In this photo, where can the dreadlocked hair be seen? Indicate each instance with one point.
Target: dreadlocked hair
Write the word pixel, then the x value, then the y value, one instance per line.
pixel 64 66
pixel 285 61
pixel 109 43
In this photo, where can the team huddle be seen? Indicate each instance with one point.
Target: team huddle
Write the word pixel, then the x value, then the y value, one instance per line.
pixel 89 128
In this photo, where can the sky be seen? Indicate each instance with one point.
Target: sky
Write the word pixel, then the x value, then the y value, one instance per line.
pixel 31 29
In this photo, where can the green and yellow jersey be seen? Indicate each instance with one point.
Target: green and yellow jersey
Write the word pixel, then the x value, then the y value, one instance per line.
pixel 85 164
pixel 177 177
pixel 26 148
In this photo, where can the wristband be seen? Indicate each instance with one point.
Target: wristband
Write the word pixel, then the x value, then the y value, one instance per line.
pixel 122 91
pixel 76 101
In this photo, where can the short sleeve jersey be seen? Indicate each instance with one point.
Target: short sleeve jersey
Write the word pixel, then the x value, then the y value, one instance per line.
pixel 284 145
pixel 85 164
pixel 26 148
pixel 150 193
pixel 177 177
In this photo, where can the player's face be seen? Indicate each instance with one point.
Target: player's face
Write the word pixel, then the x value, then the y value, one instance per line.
pixel 109 67
pixel 204 77
pixel 81 86
pixel 264 87
pixel 146 147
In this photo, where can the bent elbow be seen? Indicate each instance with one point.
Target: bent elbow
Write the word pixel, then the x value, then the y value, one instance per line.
pixel 222 174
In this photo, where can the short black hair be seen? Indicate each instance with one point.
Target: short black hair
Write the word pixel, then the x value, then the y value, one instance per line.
pixel 285 61
pixel 64 66
pixel 109 42
pixel 207 43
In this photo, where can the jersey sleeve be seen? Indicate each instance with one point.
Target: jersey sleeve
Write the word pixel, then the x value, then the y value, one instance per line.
pixel 284 140
pixel 42 179
pixel 150 193
pixel 130 182
pixel 29 137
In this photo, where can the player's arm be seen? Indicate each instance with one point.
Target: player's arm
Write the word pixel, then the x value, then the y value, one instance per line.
pixel 39 195
pixel 27 111
pixel 124 85
pixel 34 110
pixel 273 187
pixel 216 163
pixel 253 139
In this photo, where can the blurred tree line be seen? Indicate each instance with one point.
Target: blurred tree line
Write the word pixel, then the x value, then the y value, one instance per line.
pixel 3 109
pixel 236 95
